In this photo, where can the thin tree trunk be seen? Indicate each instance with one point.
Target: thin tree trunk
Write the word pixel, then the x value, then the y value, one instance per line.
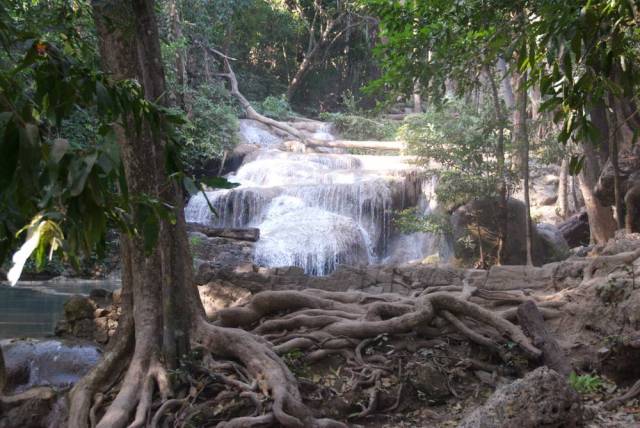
pixel 613 157
pixel 417 98
pixel 563 189
pixel 503 214
pixel 180 56
pixel 505 80
pixel 522 137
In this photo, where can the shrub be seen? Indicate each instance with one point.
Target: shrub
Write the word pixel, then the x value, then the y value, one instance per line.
pixel 277 108
pixel 457 144
pixel 213 125
pixel 355 127
pixel 585 384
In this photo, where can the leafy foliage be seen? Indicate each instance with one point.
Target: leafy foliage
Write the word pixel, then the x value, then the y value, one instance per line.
pixel 60 169
pixel 585 384
pixel 277 108
pixel 212 127
pixel 358 127
pixel 410 220
pixel 457 145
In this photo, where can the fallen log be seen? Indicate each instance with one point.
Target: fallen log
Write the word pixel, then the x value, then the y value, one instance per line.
pixel 241 234
pixel 532 323
pixel 349 144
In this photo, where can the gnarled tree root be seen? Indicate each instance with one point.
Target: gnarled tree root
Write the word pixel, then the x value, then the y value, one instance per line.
pixel 246 343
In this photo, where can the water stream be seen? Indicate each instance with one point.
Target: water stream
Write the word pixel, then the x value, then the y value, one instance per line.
pixel 319 210
pixel 32 308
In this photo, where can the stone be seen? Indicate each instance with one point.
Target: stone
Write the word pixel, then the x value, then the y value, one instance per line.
pixel 485 213
pixel 99 293
pixel 549 200
pixel 117 297
pixel 78 308
pixel 54 362
pixel 84 329
pixel 576 230
pixel 428 380
pixel 555 247
pixel 541 398
pixel 501 278
pixel 221 294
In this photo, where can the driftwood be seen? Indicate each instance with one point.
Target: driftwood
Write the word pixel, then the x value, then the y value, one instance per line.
pixel 241 234
pixel 532 323
pixel 347 144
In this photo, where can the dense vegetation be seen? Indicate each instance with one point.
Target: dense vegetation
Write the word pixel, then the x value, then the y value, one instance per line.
pixel 112 111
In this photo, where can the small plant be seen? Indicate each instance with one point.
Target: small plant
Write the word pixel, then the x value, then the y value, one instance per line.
pixel 195 241
pixel 294 359
pixel 585 384
pixel 277 108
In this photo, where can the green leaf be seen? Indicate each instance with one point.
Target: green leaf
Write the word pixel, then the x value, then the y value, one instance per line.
pixel 81 176
pixel 218 183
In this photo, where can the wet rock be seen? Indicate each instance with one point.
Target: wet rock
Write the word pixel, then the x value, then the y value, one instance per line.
pixel 78 308
pixel 576 230
pixel 542 398
pixel 49 362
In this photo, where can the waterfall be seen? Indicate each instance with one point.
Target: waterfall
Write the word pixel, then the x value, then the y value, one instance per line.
pixel 319 210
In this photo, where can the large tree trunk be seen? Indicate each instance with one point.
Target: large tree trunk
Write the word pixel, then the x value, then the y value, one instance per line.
pixel 159 282
pixel 522 138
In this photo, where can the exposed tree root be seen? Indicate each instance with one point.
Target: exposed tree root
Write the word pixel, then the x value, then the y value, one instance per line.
pixel 602 262
pixel 632 393
pixel 242 380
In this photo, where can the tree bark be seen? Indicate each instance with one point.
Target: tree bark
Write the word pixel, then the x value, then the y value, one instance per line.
pixel 501 170
pixel 601 222
pixel 613 157
pixel 563 189
pixel 522 137
pixel 160 281
pixel 180 56
pixel 505 80
pixel 532 322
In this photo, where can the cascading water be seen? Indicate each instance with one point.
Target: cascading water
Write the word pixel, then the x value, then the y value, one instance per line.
pixel 318 210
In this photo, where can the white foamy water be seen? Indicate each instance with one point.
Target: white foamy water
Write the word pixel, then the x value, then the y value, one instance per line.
pixel 317 211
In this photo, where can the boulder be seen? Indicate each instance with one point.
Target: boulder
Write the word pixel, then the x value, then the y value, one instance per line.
pixel 554 245
pixel 576 230
pixel 485 213
pixel 541 398
pixel 78 308
pixel 47 362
